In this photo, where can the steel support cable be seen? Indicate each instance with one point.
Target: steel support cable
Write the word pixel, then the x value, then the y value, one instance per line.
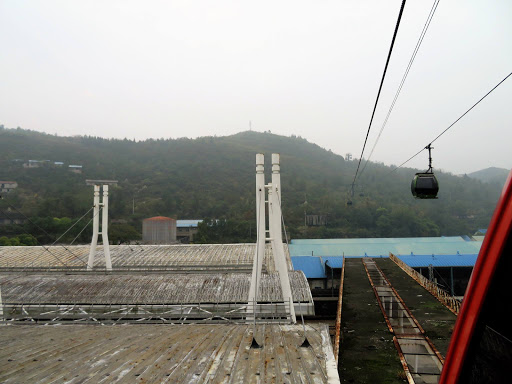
pixel 452 124
pixel 85 226
pixel 380 88
pixel 46 249
pixel 36 225
pixel 404 78
pixel 76 222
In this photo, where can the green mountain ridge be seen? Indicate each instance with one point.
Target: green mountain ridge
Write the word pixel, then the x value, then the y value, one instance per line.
pixel 213 177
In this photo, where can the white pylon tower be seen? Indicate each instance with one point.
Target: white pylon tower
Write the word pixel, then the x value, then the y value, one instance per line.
pixel 275 235
pixel 96 227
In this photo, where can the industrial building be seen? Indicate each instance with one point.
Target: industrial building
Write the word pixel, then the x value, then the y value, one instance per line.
pixel 189 313
pixel 159 230
pixel 448 260
pixel 310 311
pixel 155 290
pixel 186 230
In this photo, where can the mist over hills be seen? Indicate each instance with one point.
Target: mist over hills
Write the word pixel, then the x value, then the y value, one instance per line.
pixel 213 177
pixel 491 175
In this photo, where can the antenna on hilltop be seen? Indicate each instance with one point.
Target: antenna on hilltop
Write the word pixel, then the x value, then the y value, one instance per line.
pixel 250 125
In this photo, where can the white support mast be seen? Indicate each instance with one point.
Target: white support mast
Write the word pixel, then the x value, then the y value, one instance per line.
pixel 275 226
pixel 275 235
pixel 96 223
pixel 260 233
pixel 95 227
pixel 104 229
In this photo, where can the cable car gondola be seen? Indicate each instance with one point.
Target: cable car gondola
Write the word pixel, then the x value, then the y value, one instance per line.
pixel 424 185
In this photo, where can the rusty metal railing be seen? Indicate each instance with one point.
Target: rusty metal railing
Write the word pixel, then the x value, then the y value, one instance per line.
pixel 440 294
pixel 421 361
pixel 338 314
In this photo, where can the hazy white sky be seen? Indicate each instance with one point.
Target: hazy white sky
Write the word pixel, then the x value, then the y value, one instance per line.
pixel 142 69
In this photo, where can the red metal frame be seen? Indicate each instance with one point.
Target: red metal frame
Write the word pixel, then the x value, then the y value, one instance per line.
pixel 496 237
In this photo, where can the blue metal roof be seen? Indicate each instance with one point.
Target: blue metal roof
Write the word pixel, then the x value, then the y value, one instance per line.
pixel 382 247
pixel 334 261
pixel 417 261
pixel 187 223
pixel 310 265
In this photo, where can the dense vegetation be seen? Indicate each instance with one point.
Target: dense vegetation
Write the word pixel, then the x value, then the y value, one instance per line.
pixel 213 177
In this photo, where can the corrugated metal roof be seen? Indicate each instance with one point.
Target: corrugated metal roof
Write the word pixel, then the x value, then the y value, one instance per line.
pixel 192 256
pixel 311 266
pixel 314 266
pixel 166 354
pixel 187 223
pixel 160 218
pixel 382 247
pixel 449 239
pixel 333 261
pixel 459 260
pixel 171 288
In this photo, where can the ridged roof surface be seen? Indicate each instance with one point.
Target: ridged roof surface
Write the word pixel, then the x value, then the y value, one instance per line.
pixel 159 218
pixel 147 289
pixel 417 261
pixel 183 256
pixel 383 246
pixel 166 354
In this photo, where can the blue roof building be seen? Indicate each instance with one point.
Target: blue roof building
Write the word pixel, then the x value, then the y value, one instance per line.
pixel 187 223
pixel 383 246
pixel 312 266
pixel 458 260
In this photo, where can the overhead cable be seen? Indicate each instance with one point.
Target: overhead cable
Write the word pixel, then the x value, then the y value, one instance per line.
pixel 40 228
pixel 416 49
pixel 45 248
pixel 452 124
pixel 380 88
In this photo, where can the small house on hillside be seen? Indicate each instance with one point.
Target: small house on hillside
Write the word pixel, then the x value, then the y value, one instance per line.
pixel 75 168
pixel 8 186
pixel 10 218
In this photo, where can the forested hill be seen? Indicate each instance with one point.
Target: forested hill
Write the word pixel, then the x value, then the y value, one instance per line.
pixel 213 177
pixel 491 175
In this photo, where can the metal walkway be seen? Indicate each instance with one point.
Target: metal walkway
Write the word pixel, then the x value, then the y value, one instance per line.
pixel 421 361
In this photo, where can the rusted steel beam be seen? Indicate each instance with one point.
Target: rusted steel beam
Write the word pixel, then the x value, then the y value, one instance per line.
pixel 338 314
pixel 410 379
pixel 383 290
pixel 440 294
pixel 390 327
pixel 399 298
